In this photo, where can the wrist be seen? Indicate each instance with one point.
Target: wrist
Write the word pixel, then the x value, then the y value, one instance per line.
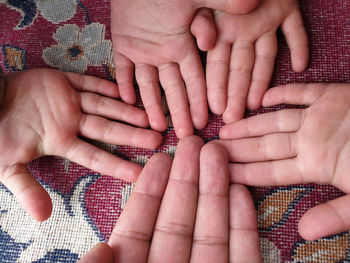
pixel 2 86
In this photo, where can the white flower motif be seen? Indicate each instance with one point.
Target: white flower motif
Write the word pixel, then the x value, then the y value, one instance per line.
pixel 57 11
pixel 76 49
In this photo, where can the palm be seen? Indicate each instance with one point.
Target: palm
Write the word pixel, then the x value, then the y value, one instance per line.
pixel 154 37
pixel 40 125
pixel 240 67
pixel 323 139
pixel 44 112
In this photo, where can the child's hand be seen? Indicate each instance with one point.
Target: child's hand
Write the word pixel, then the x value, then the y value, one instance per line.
pixel 240 67
pixel 45 111
pixel 154 37
pixel 298 146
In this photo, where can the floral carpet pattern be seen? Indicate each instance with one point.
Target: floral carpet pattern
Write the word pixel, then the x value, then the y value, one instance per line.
pixel 74 35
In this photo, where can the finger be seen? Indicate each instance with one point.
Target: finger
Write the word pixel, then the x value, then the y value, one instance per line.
pixel 112 109
pixel 101 129
pixel 217 71
pixel 132 234
pixel 211 238
pixel 99 253
pixel 326 219
pixel 174 228
pixel 124 73
pixel 192 73
pixel 272 173
pixel 147 79
pixel 230 6
pixel 241 66
pixel 263 124
pixel 30 194
pixel 203 29
pixel 100 161
pixel 171 80
pixel 269 147
pixel 92 84
pixel 265 56
pixel 301 94
pixel 244 237
pixel 296 37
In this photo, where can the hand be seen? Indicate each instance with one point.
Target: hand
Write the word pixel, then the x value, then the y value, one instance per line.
pixel 240 67
pixel 44 112
pixel 153 36
pixel 298 146
pixel 192 217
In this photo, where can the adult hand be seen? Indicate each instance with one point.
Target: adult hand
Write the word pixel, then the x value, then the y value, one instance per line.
pixel 295 146
pixel 240 66
pixel 44 112
pixel 194 216
pixel 153 37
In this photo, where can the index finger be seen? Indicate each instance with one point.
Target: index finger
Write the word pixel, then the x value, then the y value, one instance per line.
pixel 135 225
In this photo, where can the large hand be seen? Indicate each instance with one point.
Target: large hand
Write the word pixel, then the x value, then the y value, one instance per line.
pixel 154 37
pixel 240 67
pixel 192 217
pixel 45 111
pixel 298 146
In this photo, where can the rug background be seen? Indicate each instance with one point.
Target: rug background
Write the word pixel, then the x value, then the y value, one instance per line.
pixel 89 204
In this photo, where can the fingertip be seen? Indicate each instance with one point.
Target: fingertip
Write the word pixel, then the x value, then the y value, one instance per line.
pixel 307 227
pixel 230 116
pixel 300 59
pixel 224 132
pixel 242 7
pixel 128 171
pixel 191 142
pixel 217 101
pixel 37 202
pixel 254 102
pixel 127 95
pixel 213 152
pixel 204 29
pixel 242 207
pixel 102 252
pixel 158 122
pixel 183 132
pixel 200 119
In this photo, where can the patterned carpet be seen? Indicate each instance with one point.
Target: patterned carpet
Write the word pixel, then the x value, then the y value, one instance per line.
pixel 35 33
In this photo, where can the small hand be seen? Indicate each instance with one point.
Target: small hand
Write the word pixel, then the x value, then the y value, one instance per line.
pixel 240 67
pixel 298 146
pixel 194 216
pixel 153 36
pixel 44 112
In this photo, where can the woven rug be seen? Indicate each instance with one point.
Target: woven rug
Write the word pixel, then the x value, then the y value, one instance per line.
pixel 87 204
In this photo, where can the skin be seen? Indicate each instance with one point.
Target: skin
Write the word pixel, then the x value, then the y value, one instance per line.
pixel 240 66
pixel 45 112
pixel 185 211
pixel 298 146
pixel 153 39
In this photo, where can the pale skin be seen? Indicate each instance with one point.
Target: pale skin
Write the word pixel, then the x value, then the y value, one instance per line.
pixel 153 38
pixel 295 146
pixel 240 66
pixel 184 211
pixel 45 112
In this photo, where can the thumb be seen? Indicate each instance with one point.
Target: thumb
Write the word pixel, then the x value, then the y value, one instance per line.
pixel 203 29
pixel 230 6
pixel 99 253
pixel 326 219
pixel 31 195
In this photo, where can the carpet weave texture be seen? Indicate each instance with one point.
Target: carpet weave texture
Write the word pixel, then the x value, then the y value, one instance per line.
pixel 35 33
